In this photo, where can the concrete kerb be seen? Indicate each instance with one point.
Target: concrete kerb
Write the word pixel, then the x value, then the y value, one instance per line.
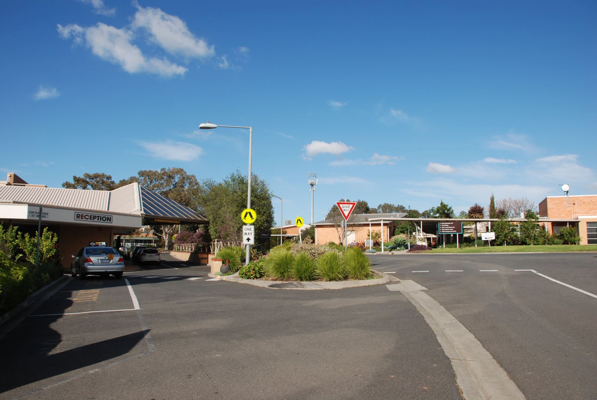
pixel 31 299
pixel 296 285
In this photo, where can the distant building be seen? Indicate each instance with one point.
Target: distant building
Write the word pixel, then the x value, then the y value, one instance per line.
pixel 580 212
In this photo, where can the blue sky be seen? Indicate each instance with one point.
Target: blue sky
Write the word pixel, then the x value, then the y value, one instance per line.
pixel 399 101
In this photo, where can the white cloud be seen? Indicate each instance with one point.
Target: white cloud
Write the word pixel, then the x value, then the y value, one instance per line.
pixel 559 169
pixel 343 180
pixel 243 52
pixel 471 193
pixel 45 93
pixel 436 168
pixel 223 64
pixel 376 159
pixel 99 7
pixel 200 133
pixel 316 147
pixel 171 33
pixel 170 150
pixel 490 160
pixel 399 115
pixel 336 105
pixel 512 141
pixel 114 45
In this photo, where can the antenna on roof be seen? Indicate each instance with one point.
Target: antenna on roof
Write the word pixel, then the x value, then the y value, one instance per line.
pixel 566 189
pixel 312 182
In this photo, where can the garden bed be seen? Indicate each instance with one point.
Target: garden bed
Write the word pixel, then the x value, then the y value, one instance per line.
pixel 379 278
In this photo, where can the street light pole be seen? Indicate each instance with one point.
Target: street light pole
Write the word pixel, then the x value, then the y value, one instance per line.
pixel 209 125
pixel 281 215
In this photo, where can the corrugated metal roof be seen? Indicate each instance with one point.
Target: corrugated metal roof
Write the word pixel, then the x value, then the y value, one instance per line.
pixel 125 199
pixel 156 205
pixel 73 198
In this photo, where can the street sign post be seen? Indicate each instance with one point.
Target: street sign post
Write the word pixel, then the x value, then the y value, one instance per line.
pixel 299 222
pixel 489 236
pixel 248 234
pixel 248 216
pixel 449 228
pixel 346 208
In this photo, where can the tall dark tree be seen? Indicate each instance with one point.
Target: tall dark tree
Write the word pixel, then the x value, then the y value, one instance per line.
pixel 390 208
pixel 476 212
pixel 442 211
pixel 492 210
pixel 96 181
pixel 224 202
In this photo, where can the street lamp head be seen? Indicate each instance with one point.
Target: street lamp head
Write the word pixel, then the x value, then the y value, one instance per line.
pixel 208 125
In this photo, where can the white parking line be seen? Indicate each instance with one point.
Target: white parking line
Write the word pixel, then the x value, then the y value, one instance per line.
pixel 212 280
pixel 84 312
pixel 488 270
pixel 524 270
pixel 565 284
pixel 194 279
pixel 133 296
pixel 418 272
pixel 390 272
pixel 453 270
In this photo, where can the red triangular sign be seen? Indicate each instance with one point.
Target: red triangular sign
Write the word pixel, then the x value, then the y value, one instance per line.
pixel 346 208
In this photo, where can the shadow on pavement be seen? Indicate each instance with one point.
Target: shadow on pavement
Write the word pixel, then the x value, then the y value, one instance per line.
pixel 18 369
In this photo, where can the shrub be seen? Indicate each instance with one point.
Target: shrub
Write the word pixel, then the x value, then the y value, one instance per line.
pixel 419 247
pixel 312 250
pixel 569 235
pixel 254 270
pixel 304 267
pixel 330 267
pixel 190 237
pixel 279 263
pixel 231 256
pixel 15 283
pixel 357 245
pixel 400 242
pixel 357 264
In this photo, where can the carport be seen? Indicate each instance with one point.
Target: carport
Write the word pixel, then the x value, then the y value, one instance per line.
pixel 80 217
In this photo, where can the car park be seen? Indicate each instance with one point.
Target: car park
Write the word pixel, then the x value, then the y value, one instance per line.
pixel 97 260
pixel 149 255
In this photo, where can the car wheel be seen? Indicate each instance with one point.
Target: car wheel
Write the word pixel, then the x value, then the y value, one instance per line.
pixel 118 275
pixel 73 273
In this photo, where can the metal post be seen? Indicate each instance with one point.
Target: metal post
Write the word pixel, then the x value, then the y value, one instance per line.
pixel 345 241
pixel 457 244
pixel 281 219
pixel 382 247
pixel 312 202
pixel 248 254
pixel 370 236
pixel 409 235
pixel 38 236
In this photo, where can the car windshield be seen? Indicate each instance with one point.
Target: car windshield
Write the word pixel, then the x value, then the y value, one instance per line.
pixel 150 251
pixel 100 251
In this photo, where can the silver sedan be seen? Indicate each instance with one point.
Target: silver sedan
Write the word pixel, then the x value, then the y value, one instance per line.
pixel 95 260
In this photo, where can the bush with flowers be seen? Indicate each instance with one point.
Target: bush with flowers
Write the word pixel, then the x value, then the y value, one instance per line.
pixel 253 270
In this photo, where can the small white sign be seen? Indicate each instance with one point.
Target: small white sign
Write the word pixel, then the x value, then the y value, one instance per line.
pixel 248 234
pixel 368 242
pixel 488 236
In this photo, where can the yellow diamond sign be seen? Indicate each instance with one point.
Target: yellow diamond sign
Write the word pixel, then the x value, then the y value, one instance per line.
pixel 248 216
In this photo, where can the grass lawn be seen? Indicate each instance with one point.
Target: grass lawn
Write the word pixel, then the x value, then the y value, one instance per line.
pixel 517 249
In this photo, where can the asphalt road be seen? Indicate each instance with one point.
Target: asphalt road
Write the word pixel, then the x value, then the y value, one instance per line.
pixel 191 337
pixel 544 334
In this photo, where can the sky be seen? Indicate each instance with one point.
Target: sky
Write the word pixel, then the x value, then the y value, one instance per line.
pixel 397 102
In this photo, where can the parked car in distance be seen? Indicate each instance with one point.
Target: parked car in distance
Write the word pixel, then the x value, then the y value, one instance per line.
pixel 134 252
pixel 149 255
pixel 96 260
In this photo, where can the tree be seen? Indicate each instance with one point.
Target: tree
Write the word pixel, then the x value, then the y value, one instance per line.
pixel 390 208
pixel 505 232
pixel 442 211
pixel 224 202
pixel 529 230
pixel 492 210
pixel 476 212
pixel 362 207
pixel 569 235
pixel 96 181
pixel 514 208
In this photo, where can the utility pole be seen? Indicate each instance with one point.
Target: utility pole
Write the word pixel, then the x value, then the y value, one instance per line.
pixel 312 182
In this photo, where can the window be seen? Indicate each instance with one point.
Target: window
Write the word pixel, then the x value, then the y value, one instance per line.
pixel 592 232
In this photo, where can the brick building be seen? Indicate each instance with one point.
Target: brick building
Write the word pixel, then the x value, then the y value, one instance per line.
pixel 576 211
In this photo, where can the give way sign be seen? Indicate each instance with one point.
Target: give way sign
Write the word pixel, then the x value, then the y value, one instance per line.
pixel 346 208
